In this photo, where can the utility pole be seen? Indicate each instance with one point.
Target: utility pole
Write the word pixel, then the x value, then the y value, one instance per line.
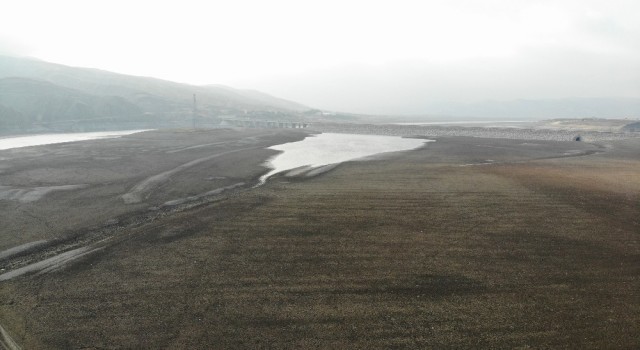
pixel 195 111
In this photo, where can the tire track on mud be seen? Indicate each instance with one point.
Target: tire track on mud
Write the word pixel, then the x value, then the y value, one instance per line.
pixel 143 188
pixel 6 342
pixel 49 256
pixel 565 155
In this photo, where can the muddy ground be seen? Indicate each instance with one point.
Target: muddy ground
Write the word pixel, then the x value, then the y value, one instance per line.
pixel 465 243
pixel 109 179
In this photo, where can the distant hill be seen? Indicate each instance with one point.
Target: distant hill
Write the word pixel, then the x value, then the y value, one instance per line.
pixel 260 97
pixel 10 118
pixel 39 101
pixel 632 127
pixel 530 109
pixel 34 91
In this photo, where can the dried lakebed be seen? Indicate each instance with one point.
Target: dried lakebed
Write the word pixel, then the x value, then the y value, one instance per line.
pixel 538 249
pixel 60 200
pixel 309 157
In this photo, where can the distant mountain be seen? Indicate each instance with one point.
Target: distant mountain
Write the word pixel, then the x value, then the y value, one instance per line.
pixel 260 97
pixel 524 109
pixel 10 118
pixel 33 91
pixel 632 127
pixel 40 101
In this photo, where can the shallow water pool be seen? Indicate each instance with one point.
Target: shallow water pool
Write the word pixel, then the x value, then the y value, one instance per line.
pixel 325 149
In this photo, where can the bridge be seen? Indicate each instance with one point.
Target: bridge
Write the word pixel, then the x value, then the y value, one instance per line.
pixel 97 124
pixel 267 124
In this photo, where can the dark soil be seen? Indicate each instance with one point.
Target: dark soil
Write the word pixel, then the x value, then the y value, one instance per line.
pixel 466 243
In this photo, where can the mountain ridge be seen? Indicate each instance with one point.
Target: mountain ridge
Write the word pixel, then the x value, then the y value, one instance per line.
pixel 30 85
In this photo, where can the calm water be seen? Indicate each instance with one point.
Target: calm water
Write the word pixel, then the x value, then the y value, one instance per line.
pixel 325 149
pixel 46 139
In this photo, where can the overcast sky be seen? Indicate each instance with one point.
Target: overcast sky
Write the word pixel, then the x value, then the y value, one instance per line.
pixel 361 56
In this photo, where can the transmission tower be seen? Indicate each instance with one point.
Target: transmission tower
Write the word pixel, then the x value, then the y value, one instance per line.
pixel 195 111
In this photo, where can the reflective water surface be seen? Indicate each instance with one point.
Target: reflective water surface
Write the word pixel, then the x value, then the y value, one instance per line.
pixel 46 139
pixel 325 149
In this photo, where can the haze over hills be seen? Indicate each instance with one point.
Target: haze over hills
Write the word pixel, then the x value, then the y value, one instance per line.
pixel 45 101
pixel 381 61
pixel 33 91
pixel 537 109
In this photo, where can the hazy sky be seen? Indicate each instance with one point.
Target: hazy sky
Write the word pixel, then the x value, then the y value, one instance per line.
pixel 363 56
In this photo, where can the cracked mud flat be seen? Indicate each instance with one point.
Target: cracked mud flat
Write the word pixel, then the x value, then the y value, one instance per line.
pixel 538 249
